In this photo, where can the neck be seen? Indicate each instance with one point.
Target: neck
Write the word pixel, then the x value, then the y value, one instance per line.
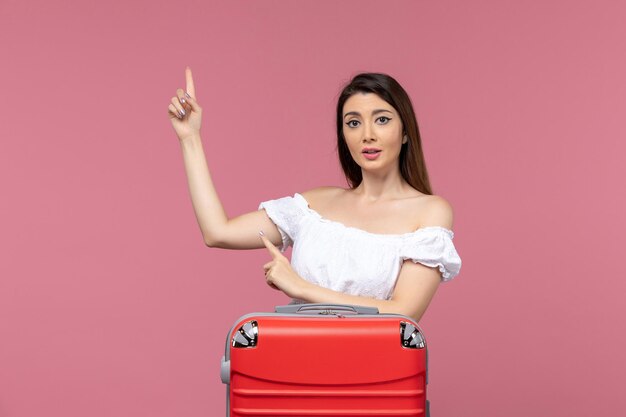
pixel 381 186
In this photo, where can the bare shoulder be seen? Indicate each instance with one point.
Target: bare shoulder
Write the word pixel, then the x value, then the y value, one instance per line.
pixel 437 211
pixel 321 195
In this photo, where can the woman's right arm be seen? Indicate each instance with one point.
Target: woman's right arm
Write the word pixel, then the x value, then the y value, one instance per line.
pixel 218 230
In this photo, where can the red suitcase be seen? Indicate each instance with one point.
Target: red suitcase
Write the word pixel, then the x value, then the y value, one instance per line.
pixel 325 360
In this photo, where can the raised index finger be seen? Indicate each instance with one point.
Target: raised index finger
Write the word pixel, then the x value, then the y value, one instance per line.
pixel 190 88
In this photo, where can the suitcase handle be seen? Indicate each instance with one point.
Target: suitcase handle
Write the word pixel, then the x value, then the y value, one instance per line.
pixel 322 308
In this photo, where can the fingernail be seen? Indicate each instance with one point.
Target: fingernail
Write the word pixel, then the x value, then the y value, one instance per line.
pixel 181 113
pixel 182 100
pixel 187 95
pixel 261 233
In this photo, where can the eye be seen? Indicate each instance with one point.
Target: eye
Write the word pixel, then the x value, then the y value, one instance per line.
pixel 386 119
pixel 355 121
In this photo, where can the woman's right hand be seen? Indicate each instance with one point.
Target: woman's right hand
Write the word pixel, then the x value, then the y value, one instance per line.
pixel 184 111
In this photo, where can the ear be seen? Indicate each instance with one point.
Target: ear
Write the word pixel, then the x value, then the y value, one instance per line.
pixel 405 139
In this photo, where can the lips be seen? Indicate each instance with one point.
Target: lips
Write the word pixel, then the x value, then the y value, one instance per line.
pixel 371 153
pixel 370 150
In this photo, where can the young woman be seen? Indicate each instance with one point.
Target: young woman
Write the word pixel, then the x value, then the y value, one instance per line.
pixel 386 241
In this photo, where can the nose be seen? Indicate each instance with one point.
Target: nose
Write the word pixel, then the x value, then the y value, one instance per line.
pixel 368 135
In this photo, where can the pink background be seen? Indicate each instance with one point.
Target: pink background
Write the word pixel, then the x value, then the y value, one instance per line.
pixel 111 305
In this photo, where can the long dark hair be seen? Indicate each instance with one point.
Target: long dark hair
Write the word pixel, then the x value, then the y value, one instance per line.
pixel 412 164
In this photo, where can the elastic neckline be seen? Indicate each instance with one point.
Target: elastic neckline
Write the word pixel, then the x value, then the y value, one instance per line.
pixel 306 206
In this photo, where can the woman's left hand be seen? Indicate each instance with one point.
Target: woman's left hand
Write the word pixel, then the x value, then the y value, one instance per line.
pixel 279 274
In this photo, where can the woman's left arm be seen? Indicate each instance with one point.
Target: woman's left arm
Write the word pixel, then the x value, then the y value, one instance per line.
pixel 417 283
pixel 415 288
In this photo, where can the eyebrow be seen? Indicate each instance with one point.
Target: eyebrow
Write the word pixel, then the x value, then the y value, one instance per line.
pixel 356 113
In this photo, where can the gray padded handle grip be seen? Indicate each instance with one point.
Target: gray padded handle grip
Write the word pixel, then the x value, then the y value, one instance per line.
pixel 320 308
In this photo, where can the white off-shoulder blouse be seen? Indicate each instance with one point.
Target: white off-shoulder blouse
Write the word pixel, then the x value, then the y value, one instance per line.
pixel 351 260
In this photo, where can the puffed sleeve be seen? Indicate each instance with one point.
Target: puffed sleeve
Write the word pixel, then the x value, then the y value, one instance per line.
pixel 286 214
pixel 432 246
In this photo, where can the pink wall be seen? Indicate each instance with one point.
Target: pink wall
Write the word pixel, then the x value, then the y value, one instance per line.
pixel 110 304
